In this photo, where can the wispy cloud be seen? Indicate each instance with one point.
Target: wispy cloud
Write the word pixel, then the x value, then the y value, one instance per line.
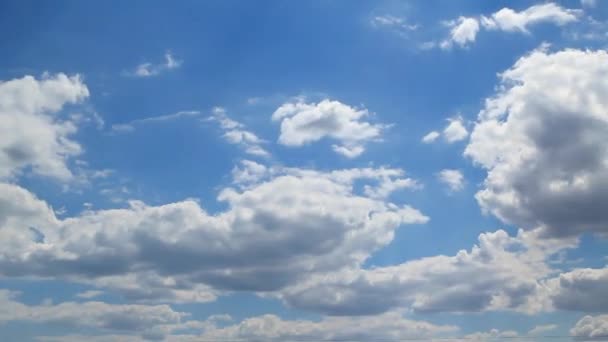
pixel 130 126
pixel 149 69
pixel 235 133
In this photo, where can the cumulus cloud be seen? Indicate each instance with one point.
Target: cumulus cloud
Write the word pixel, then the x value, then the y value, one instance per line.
pixel 150 69
pixel 542 140
pixel 591 328
pixel 389 326
pixel 512 21
pixel 235 133
pixel 464 30
pixel 32 131
pixel 150 321
pixel 500 273
pixel 453 132
pixel 304 123
pixel 312 221
pixel 584 290
pixel 452 178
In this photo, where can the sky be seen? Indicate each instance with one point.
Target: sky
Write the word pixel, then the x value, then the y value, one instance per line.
pixel 304 170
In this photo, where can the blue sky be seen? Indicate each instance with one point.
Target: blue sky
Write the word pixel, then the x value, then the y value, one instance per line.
pixel 313 170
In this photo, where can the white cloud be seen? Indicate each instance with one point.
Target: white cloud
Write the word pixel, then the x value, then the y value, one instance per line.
pixel 149 321
pixel 455 130
pixel 389 326
pixel 500 273
pixel 584 290
pixel 89 294
pixel 591 328
pixel 312 221
pixel 512 21
pixel 304 123
pixel 392 22
pixel 430 137
pixel 452 178
pixel 494 335
pixel 150 69
pixel 542 139
pixel 32 131
pixel 541 329
pixel 130 126
pixel 235 133
pixel 464 30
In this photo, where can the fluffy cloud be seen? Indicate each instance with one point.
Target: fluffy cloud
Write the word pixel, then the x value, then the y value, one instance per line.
pixel 499 273
pixel 452 178
pixel 464 30
pixel 542 139
pixel 591 328
pixel 453 132
pixel 152 322
pixel 304 123
pixel 235 133
pixel 583 290
pixel 32 132
pixel 150 69
pixel 389 326
pixel 512 21
pixel 313 222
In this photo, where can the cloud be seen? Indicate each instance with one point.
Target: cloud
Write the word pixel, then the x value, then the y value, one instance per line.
pixel 500 273
pixel 235 133
pixel 313 221
pixel 509 20
pixel 130 126
pixel 455 131
pixel 89 294
pixel 591 328
pixel 584 290
pixel 494 335
pixel 464 30
pixel 390 326
pixel 541 139
pixel 452 178
pixel 304 123
pixel 392 22
pixel 150 321
pixel 541 329
pixel 150 69
pixel 430 137
pixel 32 131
